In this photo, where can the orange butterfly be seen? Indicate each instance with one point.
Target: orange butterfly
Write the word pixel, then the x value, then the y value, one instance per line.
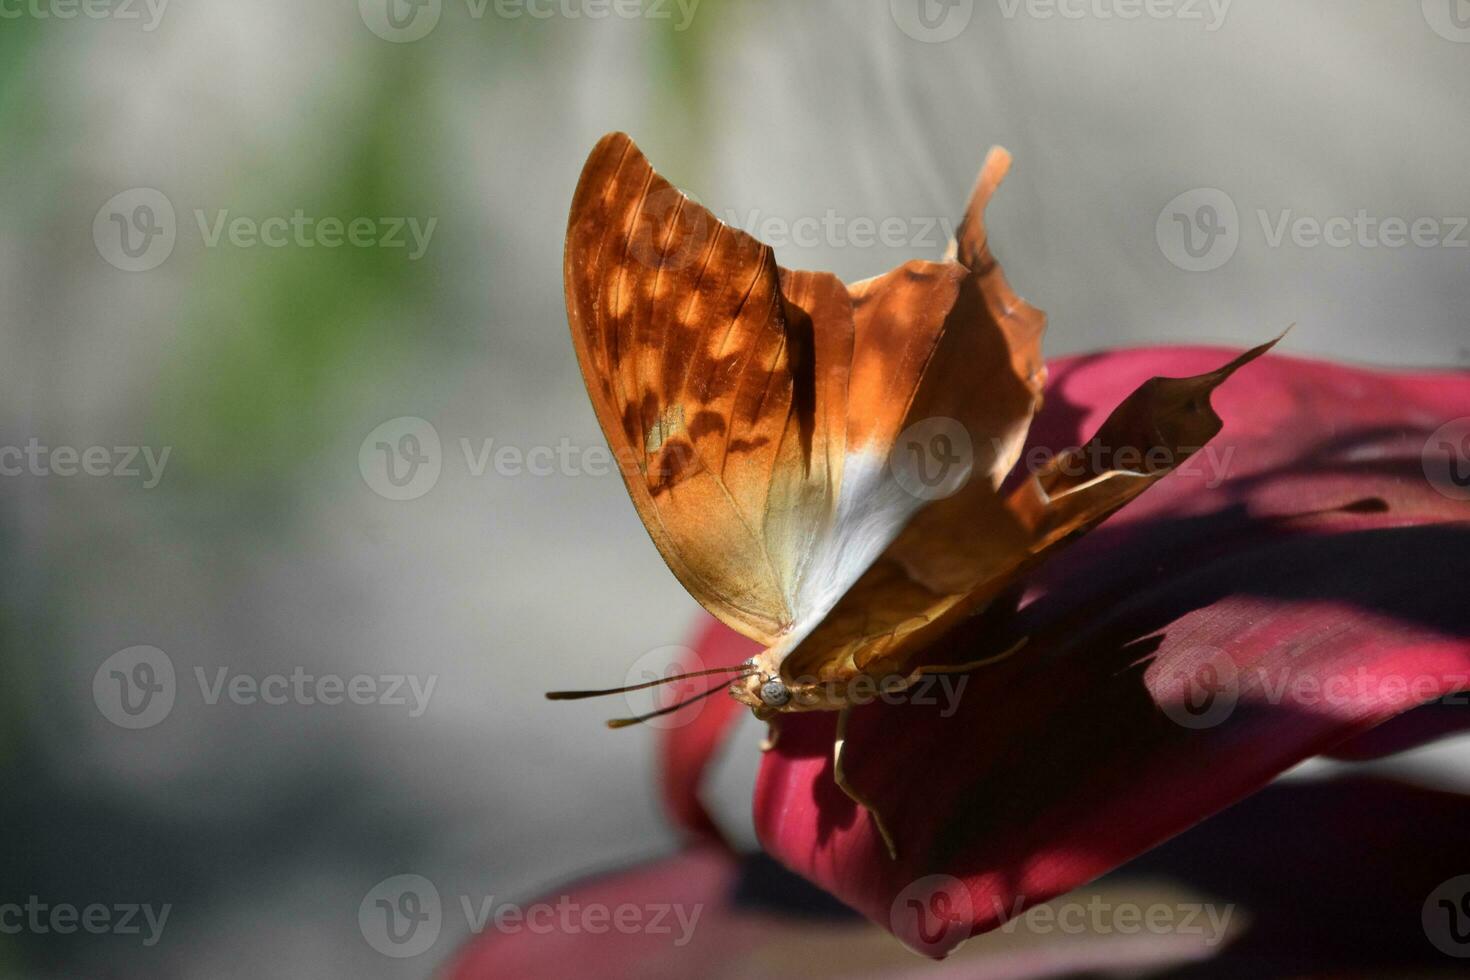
pixel 821 464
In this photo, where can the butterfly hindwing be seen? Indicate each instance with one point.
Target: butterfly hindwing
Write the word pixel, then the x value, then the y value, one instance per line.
pixel 983 378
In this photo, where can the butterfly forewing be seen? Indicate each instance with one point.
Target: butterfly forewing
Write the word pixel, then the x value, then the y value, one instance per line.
pixel 718 393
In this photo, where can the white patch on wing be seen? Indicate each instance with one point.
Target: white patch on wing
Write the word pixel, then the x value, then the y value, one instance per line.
pixel 872 509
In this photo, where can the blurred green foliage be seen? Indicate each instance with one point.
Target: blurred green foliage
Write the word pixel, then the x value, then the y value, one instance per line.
pixel 276 343
pixel 277 340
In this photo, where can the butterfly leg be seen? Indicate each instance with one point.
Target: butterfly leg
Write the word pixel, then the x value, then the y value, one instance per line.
pixel 973 665
pixel 839 776
pixel 773 734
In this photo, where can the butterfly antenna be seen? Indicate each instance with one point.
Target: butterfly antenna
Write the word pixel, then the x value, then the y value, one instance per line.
pixel 625 722
pixel 579 695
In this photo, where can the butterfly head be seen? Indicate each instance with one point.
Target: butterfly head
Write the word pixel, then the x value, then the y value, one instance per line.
pixel 768 694
pixel 775 694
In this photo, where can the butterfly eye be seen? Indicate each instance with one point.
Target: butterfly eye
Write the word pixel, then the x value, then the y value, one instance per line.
pixel 774 693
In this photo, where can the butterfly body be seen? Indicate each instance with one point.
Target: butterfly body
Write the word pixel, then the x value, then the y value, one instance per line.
pixel 767 694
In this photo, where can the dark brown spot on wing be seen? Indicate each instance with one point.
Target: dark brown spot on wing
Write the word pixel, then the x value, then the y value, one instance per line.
pixel 706 424
pixel 674 462
pixel 748 445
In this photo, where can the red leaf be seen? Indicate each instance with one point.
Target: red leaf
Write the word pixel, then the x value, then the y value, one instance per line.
pixel 1409 730
pixel 1334 877
pixel 1361 857
pixel 566 945
pixel 708 913
pixel 1300 580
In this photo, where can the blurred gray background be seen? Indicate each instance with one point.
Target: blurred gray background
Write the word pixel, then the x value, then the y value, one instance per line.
pixel 269 545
